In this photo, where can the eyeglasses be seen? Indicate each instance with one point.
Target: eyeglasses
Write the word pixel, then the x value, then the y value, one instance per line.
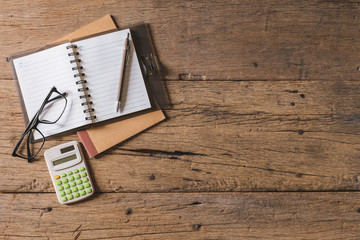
pixel 47 110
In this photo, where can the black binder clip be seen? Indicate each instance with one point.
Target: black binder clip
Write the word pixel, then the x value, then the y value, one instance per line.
pixel 148 64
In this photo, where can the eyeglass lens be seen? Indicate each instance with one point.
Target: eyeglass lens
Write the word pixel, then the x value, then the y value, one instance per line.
pixel 50 112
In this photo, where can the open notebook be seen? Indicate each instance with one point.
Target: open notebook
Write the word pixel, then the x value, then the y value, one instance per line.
pixel 90 79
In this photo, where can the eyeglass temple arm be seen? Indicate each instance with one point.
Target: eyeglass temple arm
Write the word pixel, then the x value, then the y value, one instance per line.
pixel 57 97
pixel 28 146
pixel 29 126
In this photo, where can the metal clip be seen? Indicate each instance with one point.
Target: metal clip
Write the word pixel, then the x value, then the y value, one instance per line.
pixel 148 64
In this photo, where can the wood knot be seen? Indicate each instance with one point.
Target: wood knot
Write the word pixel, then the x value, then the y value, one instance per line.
pixel 357 178
pixel 254 64
pixel 48 209
pixel 196 227
pixel 129 211
pixel 152 177
pixel 300 132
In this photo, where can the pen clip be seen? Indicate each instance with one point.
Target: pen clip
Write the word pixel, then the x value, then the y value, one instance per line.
pixel 127 49
pixel 127 54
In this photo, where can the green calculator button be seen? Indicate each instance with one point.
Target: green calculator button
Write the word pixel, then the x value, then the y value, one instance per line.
pixel 62 194
pixel 83 174
pixel 63 199
pixel 68 191
pixel 76 194
pixel 58 182
pixel 77 176
pixel 63 175
pixel 81 187
pixel 75 171
pixel 71 178
pixel 65 180
pixel 82 193
pixel 73 184
pixel 87 185
pixel 79 182
pixel 69 173
pixel 89 190
pixel 85 179
pixel 70 197
pixel 60 188
pixel 66 186
pixel 74 189
pixel 82 169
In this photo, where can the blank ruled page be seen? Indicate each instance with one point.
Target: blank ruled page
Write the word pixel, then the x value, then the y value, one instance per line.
pixel 37 73
pixel 101 58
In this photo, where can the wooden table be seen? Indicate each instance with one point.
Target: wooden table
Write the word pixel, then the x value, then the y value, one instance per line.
pixel 261 141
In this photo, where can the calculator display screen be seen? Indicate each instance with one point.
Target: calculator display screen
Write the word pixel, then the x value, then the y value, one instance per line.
pixel 67 149
pixel 64 160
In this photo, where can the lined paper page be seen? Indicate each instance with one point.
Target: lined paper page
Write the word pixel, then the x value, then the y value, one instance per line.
pixel 37 73
pixel 101 59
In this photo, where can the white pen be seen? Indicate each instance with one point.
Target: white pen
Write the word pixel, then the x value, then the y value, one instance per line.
pixel 122 71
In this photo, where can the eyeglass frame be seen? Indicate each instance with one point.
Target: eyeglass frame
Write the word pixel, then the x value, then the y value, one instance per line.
pixel 35 122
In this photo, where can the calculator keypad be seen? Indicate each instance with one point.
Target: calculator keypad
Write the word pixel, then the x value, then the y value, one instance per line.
pixel 73 184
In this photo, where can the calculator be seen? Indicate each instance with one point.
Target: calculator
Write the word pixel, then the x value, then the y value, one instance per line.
pixel 69 173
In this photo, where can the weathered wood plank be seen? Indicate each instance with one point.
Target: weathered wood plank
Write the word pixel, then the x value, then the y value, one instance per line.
pixel 220 136
pixel 183 216
pixel 221 40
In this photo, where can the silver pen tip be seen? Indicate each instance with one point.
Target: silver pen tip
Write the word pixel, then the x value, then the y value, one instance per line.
pixel 118 106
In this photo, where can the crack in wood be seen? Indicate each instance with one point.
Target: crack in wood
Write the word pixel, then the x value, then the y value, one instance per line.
pixel 291 91
pixel 189 76
pixel 77 232
pixel 266 23
pixel 77 235
pixel 260 168
pixel 43 210
pixel 192 180
pixel 168 153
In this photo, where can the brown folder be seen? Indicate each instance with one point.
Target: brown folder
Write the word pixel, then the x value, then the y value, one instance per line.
pixel 99 139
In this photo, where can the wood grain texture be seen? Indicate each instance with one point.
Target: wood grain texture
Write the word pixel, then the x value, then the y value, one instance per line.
pixel 183 216
pixel 272 39
pixel 267 101
pixel 220 136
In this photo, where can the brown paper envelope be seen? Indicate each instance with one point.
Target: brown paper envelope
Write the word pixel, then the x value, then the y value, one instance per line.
pixel 101 25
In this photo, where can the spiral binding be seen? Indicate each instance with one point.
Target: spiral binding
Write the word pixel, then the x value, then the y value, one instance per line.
pixel 81 82
pixel 73 54
pixel 87 103
pixel 90 118
pixel 77 68
pixel 79 75
pixel 73 46
pixel 88 110
pixel 84 96
pixel 75 60
pixel 83 89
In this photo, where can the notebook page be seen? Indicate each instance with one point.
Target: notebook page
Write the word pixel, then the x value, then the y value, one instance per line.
pixel 37 73
pixel 101 58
